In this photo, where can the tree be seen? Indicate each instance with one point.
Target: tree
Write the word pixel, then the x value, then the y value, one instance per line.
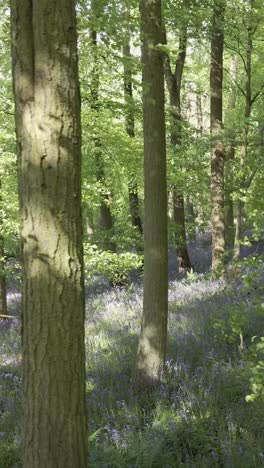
pixel 3 299
pixel 174 83
pixel 152 342
pixel 48 130
pixel 105 219
pixel 229 162
pixel 217 149
pixel 130 128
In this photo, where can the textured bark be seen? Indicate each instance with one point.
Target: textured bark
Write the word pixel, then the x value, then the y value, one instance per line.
pixel 48 130
pixel 217 149
pixel 174 81
pixel 152 342
pixel 105 221
pixel 130 128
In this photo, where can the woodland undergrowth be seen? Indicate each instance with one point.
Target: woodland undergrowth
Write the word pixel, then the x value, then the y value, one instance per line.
pixel 207 410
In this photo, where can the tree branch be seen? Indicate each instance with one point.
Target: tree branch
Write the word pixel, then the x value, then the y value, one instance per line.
pixel 235 81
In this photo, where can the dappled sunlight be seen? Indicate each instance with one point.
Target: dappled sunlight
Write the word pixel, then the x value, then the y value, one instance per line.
pixel 198 410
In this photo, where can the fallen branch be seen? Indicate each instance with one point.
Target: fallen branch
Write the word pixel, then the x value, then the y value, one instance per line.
pixel 8 316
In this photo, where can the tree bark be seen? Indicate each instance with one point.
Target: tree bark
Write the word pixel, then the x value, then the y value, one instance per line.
pixel 130 128
pixel 153 337
pixel 174 81
pixel 217 149
pixel 48 130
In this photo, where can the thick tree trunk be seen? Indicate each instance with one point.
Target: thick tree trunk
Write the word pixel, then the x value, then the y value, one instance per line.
pixel 174 81
pixel 49 148
pixel 130 128
pixel 105 221
pixel 217 150
pixel 153 337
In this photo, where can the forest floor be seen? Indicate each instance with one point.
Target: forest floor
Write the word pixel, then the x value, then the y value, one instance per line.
pixel 208 409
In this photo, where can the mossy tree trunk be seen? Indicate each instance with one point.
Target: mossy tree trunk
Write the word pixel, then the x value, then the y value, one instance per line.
pixel 48 130
pixel 217 149
pixel 153 337
pixel 174 82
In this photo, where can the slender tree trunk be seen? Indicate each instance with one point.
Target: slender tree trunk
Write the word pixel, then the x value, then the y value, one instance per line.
pixel 153 337
pixel 244 146
pixel 230 157
pixel 217 150
pixel 190 217
pixel 174 81
pixel 199 111
pixel 49 157
pixel 3 300
pixel 130 128
pixel 105 221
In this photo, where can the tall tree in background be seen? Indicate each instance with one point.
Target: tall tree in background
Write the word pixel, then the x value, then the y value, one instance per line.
pixel 105 217
pixel 251 24
pixel 217 149
pixel 174 84
pixel 3 301
pixel 48 129
pixel 230 157
pixel 130 128
pixel 152 342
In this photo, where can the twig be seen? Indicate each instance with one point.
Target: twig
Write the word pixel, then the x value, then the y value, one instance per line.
pixel 8 316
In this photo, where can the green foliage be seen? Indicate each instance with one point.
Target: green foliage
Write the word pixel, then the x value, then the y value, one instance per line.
pixel 115 267
pixel 256 358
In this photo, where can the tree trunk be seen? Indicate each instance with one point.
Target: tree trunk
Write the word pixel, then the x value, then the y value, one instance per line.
pixel 230 157
pixel 3 299
pixel 153 337
pixel 217 149
pixel 130 128
pixel 190 218
pixel 244 145
pixel 49 158
pixel 174 81
pixel 105 221
pixel 199 111
pixel 180 233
